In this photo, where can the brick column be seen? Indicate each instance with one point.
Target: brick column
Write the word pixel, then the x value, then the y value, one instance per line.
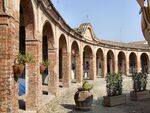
pixel 53 84
pixel 79 74
pixel 104 66
pixel 9 47
pixel 33 76
pixel 93 67
pixel 138 63
pixel 127 66
pixel 123 68
pixel 65 69
pixel 116 64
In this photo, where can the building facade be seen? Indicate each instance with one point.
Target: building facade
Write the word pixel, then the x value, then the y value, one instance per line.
pixel 36 27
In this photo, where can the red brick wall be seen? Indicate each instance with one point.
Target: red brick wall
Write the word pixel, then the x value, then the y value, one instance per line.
pixel 8 51
pixel 54 79
pixel 1 6
pixel 34 94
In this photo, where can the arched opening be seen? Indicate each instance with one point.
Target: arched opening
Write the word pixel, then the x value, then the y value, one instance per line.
pixel 121 62
pixel 26 31
pixel 47 45
pixel 144 63
pixel 100 63
pixel 74 60
pixel 132 63
pixel 87 62
pixel 110 62
pixel 63 59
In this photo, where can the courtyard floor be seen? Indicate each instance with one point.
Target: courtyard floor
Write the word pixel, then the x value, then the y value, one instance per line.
pixel 64 103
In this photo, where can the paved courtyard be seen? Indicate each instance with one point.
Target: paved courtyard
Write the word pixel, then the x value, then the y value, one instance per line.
pixel 65 102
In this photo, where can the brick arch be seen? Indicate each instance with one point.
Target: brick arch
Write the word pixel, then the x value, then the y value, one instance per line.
pixel 88 48
pixel 75 62
pixel 27 44
pixel 122 62
pixel 88 62
pixel 132 62
pixel 75 46
pixel 100 62
pixel 47 49
pixel 63 61
pixel 26 8
pixel 48 32
pixel 63 43
pixel 110 62
pixel 144 59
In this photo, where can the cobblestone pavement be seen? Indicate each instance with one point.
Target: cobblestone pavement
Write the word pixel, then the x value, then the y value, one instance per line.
pixel 65 102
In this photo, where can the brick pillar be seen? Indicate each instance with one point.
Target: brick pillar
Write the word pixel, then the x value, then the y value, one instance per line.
pixel 33 76
pixel 53 84
pixel 9 48
pixel 2 8
pixel 123 68
pixel 116 64
pixel 65 69
pixel 93 67
pixel 127 66
pixel 112 65
pixel 79 74
pixel 138 63
pixel 104 66
pixel 148 64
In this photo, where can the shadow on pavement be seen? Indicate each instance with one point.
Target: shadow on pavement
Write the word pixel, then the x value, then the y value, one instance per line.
pixel 129 107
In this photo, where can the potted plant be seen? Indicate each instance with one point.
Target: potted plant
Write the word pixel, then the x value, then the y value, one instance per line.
pixel 43 66
pixel 114 90
pixel 139 87
pixel 83 97
pixel 19 63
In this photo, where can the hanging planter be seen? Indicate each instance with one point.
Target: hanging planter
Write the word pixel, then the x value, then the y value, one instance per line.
pixel 19 63
pixel 18 69
pixel 43 66
pixel 42 69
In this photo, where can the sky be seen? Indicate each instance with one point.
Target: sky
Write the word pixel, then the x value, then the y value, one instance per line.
pixel 115 20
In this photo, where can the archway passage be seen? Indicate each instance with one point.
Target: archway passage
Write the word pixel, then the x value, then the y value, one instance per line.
pixel 87 62
pixel 121 63
pixel 132 63
pixel 144 63
pixel 47 46
pixel 63 62
pixel 110 62
pixel 27 18
pixel 74 61
pixel 26 33
pixel 100 63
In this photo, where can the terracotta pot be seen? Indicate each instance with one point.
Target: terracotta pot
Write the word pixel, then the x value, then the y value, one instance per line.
pixel 83 99
pixel 42 69
pixel 18 69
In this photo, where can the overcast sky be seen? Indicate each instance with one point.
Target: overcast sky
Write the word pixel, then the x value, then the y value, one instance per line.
pixel 116 20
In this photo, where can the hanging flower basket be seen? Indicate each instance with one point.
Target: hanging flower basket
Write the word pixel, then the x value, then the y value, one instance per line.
pixel 42 69
pixel 18 69
pixel 43 66
pixel 19 63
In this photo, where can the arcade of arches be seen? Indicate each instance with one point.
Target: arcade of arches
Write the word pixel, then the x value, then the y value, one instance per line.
pixel 35 27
